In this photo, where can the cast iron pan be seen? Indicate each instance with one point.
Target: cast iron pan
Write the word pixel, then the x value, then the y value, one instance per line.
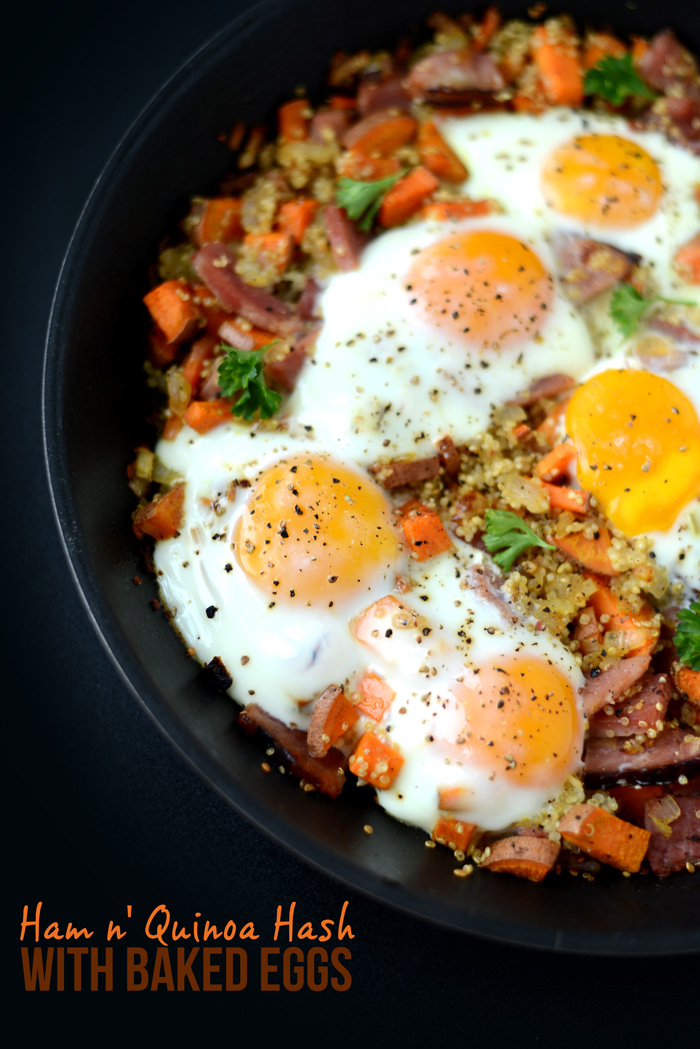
pixel 94 410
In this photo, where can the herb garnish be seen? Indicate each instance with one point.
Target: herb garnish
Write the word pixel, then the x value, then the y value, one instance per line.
pixel 508 533
pixel 615 80
pixel 362 200
pixel 242 370
pixel 627 307
pixel 688 636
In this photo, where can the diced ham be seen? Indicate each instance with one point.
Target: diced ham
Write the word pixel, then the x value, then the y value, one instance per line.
pixel 486 581
pixel 449 456
pixel 326 774
pixel 453 76
pixel 329 124
pixel 401 473
pixel 678 331
pixel 667 854
pixel 667 66
pixel 659 356
pixel 215 265
pixel 529 856
pixel 609 685
pixel 589 266
pixel 307 304
pixel 547 386
pixel 637 713
pixel 666 63
pixel 345 239
pixel 282 370
pixel 373 95
pixel 674 751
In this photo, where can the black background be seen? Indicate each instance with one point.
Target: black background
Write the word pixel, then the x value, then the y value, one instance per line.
pixel 103 813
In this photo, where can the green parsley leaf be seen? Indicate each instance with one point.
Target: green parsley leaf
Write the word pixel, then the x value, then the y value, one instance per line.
pixel 362 200
pixel 508 533
pixel 615 80
pixel 627 307
pixel 242 370
pixel 688 636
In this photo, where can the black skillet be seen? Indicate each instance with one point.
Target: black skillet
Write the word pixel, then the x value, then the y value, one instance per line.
pixel 94 409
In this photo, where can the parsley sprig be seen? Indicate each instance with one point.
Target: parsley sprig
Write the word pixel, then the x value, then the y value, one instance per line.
pixel 688 636
pixel 627 307
pixel 242 370
pixel 362 200
pixel 616 80
pixel 508 533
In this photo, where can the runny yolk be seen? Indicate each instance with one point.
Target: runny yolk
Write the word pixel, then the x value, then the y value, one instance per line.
pixel 523 720
pixel 314 530
pixel 603 179
pixel 481 287
pixel 637 439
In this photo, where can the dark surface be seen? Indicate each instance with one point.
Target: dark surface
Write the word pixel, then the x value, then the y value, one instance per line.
pixel 104 812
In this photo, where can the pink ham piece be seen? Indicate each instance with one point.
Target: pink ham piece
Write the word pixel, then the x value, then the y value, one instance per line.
pixel 307 306
pixel 373 95
pixel 674 751
pixel 329 124
pixel 402 473
pixel 453 76
pixel 215 265
pixel 326 774
pixel 609 685
pixel 679 332
pixel 589 266
pixel 671 853
pixel 527 856
pixel 547 386
pixel 345 239
pixel 667 66
pixel 666 63
pixel 449 456
pixel 282 370
pixel 486 581
pixel 637 713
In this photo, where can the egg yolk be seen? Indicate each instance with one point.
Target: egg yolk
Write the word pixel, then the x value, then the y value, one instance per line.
pixel 603 179
pixel 315 530
pixel 481 287
pixel 523 720
pixel 637 440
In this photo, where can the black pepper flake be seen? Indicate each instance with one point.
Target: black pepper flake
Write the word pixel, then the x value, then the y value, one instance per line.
pixel 228 567
pixel 211 611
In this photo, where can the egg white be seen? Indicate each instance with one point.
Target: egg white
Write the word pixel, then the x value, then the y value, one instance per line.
pixel 380 383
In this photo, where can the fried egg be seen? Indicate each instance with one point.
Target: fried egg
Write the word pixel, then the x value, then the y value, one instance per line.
pixel 485 712
pixel 440 324
pixel 281 546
